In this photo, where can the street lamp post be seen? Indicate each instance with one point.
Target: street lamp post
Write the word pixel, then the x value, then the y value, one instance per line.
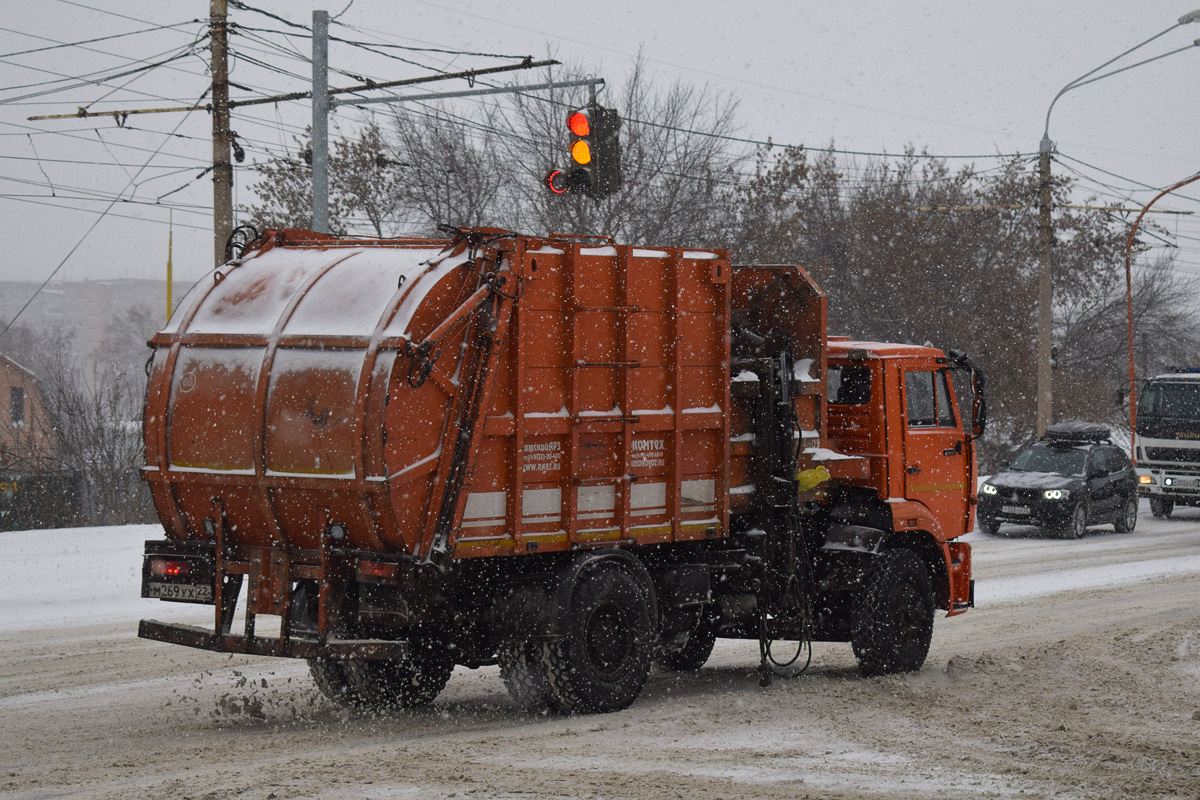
pixel 1045 392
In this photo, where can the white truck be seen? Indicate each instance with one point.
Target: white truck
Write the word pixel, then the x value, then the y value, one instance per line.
pixel 1168 441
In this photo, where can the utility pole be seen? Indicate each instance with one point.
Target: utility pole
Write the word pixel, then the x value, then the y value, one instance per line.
pixel 221 165
pixel 320 121
pixel 1045 375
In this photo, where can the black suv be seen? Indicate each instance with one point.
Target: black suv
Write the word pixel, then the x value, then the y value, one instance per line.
pixel 1072 478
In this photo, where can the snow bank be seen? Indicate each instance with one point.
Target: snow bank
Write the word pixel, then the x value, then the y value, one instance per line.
pixel 80 576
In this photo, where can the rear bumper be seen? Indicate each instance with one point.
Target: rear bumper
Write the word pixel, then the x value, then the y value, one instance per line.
pixel 335 649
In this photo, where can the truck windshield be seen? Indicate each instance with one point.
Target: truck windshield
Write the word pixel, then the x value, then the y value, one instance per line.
pixel 1063 461
pixel 1171 401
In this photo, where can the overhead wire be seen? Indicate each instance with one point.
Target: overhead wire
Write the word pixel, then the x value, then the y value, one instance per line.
pixel 87 233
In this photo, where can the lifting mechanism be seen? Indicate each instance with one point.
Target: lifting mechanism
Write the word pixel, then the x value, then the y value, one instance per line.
pixel 784 581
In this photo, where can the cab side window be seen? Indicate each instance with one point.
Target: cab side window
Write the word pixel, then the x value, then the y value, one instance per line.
pixel 918 388
pixel 929 404
pixel 945 409
pixel 849 385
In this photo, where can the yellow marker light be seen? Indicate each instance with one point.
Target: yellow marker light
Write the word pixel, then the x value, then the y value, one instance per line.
pixel 581 152
pixel 1145 480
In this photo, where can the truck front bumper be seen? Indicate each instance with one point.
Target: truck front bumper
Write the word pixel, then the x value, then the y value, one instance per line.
pixel 1168 483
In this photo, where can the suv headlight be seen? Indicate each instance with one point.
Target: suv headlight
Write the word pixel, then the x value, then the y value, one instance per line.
pixel 1056 494
pixel 987 488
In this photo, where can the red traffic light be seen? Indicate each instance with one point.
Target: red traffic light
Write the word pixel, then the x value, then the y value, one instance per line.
pixel 579 124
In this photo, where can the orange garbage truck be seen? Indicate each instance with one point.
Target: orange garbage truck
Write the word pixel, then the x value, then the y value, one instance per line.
pixel 561 455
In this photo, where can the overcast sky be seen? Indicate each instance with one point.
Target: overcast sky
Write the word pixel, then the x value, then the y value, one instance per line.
pixel 952 77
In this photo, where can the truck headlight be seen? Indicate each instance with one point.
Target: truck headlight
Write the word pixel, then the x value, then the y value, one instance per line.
pixel 1056 494
pixel 987 488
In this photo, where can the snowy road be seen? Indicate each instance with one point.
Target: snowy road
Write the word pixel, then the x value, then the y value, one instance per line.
pixel 1078 676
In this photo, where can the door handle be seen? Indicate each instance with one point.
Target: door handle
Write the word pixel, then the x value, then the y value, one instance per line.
pixel 914 469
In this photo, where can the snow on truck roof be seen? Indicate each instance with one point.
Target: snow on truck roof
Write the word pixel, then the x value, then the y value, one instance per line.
pixel 840 346
pixel 346 290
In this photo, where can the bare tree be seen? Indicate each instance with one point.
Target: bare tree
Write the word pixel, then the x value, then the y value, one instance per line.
pixel 367 190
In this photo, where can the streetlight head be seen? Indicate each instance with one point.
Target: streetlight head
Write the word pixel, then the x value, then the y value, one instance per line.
pixel 1191 16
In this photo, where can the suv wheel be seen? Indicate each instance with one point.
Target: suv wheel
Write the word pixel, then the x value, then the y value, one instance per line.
pixel 1127 517
pixel 1077 526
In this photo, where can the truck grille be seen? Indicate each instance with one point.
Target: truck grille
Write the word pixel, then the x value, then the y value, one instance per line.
pixel 1182 455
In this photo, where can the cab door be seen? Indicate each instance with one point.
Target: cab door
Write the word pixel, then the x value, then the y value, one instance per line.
pixel 935 451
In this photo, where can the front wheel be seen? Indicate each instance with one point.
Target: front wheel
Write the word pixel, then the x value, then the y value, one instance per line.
pixel 1127 517
pixel 988 525
pixel 1076 528
pixel 1161 507
pixel 601 663
pixel 894 616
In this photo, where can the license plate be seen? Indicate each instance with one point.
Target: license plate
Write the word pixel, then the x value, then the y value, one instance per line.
pixel 1186 483
pixel 1015 509
pixel 180 591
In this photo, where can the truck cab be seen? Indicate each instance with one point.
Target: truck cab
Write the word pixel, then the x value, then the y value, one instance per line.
pixel 894 406
pixel 1167 448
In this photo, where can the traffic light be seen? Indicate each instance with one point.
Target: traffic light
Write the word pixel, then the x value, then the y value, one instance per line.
pixel 595 152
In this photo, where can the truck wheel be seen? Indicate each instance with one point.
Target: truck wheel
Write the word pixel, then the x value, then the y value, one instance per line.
pixel 333 680
pixel 1161 507
pixel 601 663
pixel 894 616
pixel 1127 517
pixel 987 525
pixel 411 683
pixel 523 670
pixel 1076 528
pixel 696 651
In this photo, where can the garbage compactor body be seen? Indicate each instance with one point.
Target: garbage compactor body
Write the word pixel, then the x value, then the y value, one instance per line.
pixel 427 444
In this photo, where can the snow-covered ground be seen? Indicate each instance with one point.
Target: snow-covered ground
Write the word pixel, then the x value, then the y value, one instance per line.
pixel 1075 678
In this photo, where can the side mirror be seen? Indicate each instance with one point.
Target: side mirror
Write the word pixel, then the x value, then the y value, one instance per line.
pixel 978 416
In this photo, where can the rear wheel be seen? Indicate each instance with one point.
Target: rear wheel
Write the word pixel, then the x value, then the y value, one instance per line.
pixel 408 683
pixel 1126 518
pixel 1161 507
pixel 334 681
pixel 1076 527
pixel 894 616
pixel 523 670
pixel 602 661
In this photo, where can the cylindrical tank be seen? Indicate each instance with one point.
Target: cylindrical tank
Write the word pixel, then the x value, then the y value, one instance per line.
pixel 269 387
